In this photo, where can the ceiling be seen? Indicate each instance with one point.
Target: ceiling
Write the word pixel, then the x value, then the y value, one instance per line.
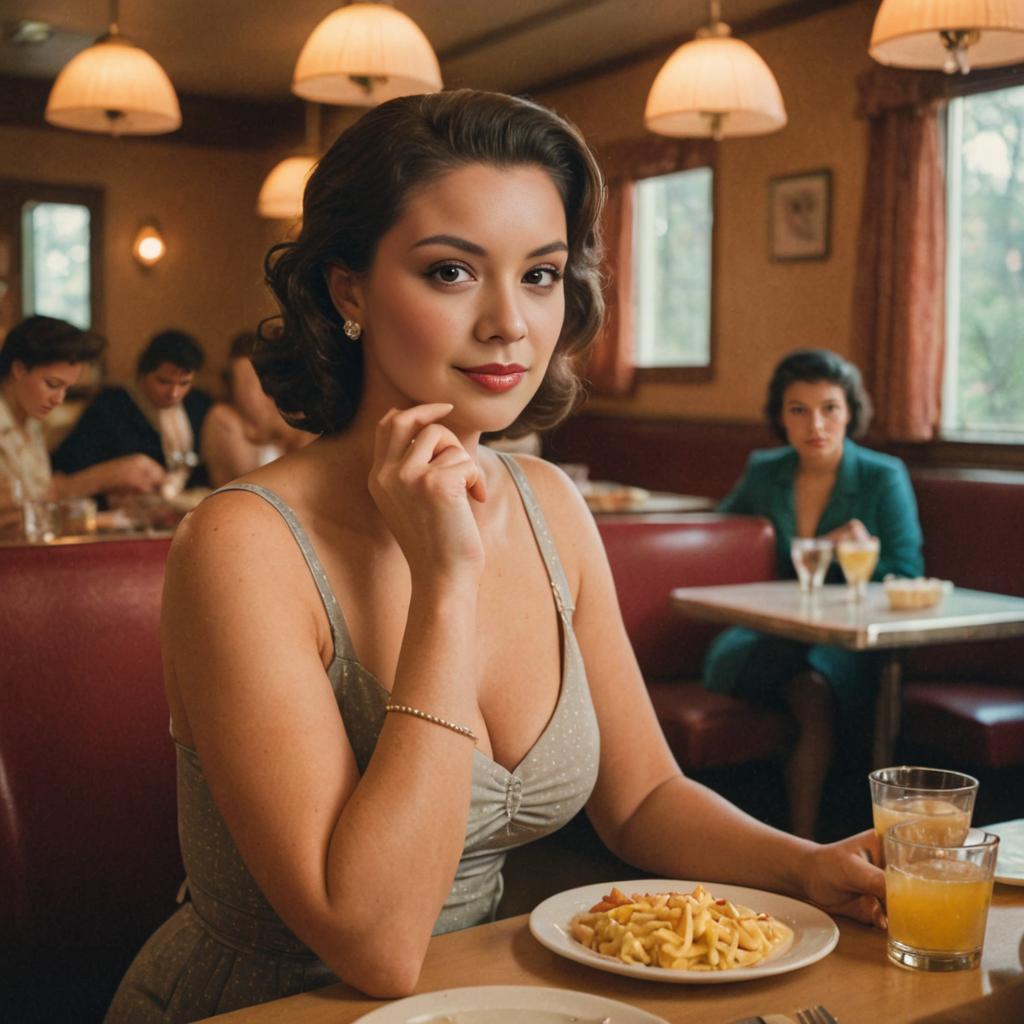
pixel 246 49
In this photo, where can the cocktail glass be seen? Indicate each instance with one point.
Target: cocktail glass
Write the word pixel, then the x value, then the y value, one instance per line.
pixel 858 559
pixel 937 897
pixel 811 558
pixel 941 801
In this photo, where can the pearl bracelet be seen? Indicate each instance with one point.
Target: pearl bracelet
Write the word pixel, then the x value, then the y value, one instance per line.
pixel 427 717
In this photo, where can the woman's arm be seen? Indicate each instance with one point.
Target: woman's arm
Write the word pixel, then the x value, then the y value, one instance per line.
pixel 899 530
pixel 127 474
pixel 358 868
pixel 644 809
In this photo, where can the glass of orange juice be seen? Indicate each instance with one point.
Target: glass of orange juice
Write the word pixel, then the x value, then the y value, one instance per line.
pixel 857 558
pixel 937 897
pixel 941 800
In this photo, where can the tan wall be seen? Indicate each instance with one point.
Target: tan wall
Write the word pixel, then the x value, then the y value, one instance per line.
pixel 210 282
pixel 763 309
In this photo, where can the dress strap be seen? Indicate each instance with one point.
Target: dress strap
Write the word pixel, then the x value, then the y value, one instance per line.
pixel 339 628
pixel 546 543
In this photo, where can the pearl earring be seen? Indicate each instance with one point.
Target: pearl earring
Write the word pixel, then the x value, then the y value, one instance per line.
pixel 353 330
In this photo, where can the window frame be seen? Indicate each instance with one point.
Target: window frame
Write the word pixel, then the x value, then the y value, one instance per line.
pixel 693 374
pixel 953 446
pixel 14 194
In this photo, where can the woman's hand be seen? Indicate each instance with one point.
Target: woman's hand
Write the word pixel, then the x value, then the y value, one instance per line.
pixel 422 479
pixel 843 878
pixel 853 530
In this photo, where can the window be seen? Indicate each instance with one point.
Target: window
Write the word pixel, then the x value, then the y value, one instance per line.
pixel 50 253
pixel 983 392
pixel 55 261
pixel 673 217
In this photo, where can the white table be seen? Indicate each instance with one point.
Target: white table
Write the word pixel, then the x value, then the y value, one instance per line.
pixel 829 617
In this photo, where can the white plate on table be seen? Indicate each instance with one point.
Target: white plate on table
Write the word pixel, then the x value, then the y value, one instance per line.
pixel 1010 863
pixel 814 933
pixel 508 1004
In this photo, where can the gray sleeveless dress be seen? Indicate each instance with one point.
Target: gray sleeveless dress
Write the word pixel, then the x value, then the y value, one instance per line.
pixel 226 948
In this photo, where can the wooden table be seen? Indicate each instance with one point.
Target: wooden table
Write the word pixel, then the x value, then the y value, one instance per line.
pixel 856 981
pixel 829 617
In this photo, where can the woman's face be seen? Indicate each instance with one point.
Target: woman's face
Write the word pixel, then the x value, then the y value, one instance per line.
pixel 40 390
pixel 464 302
pixel 815 416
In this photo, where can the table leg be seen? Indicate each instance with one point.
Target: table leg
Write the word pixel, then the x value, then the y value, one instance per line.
pixel 887 710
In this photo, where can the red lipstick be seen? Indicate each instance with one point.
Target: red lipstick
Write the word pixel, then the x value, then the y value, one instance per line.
pixel 497 377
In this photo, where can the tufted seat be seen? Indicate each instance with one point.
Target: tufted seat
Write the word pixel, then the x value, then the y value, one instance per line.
pixel 89 856
pixel 649 556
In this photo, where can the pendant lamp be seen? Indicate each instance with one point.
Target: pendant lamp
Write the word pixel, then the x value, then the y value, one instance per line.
pixel 114 87
pixel 364 54
pixel 714 86
pixel 281 194
pixel 948 34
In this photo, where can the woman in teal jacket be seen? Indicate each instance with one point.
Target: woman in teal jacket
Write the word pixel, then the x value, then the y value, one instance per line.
pixel 821 484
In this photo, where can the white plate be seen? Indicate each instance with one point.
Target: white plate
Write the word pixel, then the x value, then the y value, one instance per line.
pixel 814 933
pixel 508 1004
pixel 1010 865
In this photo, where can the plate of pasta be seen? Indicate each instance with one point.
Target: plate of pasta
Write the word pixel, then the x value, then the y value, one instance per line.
pixel 683 932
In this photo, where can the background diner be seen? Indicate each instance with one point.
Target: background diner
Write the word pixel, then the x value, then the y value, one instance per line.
pixel 723 258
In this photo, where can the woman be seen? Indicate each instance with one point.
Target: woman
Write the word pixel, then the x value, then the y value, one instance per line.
pixel 822 484
pixel 41 358
pixel 246 431
pixel 389 655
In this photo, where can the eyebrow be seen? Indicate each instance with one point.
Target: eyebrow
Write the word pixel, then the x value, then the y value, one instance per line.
pixel 471 247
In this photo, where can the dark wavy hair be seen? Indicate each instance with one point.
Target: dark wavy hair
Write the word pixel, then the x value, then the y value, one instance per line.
pixel 178 348
pixel 819 364
pixel 42 340
pixel 358 191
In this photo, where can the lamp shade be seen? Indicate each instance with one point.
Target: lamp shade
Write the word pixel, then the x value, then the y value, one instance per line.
pixel 114 87
pixel 280 197
pixel 364 54
pixel 714 86
pixel 948 33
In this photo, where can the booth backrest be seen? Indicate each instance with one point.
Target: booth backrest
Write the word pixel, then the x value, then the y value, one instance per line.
pixel 89 860
pixel 971 523
pixel 650 555
pixel 688 457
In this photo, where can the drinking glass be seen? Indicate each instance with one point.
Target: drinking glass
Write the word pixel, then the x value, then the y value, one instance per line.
pixel 941 801
pixel 40 521
pixel 937 897
pixel 77 516
pixel 811 558
pixel 858 559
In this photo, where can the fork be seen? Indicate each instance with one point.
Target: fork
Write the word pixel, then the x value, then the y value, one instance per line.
pixel 815 1015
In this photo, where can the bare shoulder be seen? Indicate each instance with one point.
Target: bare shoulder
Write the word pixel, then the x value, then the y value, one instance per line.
pixel 235 550
pixel 565 511
pixel 226 528
pixel 222 417
pixel 558 495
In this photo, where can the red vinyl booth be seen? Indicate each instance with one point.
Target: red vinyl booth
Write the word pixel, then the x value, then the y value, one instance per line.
pixel 89 857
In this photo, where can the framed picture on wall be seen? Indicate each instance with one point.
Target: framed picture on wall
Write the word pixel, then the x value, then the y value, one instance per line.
pixel 800 215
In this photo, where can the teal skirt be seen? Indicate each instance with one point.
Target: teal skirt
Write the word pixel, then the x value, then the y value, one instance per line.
pixel 756 667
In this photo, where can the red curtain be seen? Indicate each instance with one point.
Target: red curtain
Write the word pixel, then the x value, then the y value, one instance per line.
pixel 899 296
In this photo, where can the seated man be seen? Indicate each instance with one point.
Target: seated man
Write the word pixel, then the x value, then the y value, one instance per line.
pixel 158 415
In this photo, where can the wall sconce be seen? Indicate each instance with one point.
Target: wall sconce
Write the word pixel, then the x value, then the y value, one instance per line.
pixel 149 247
